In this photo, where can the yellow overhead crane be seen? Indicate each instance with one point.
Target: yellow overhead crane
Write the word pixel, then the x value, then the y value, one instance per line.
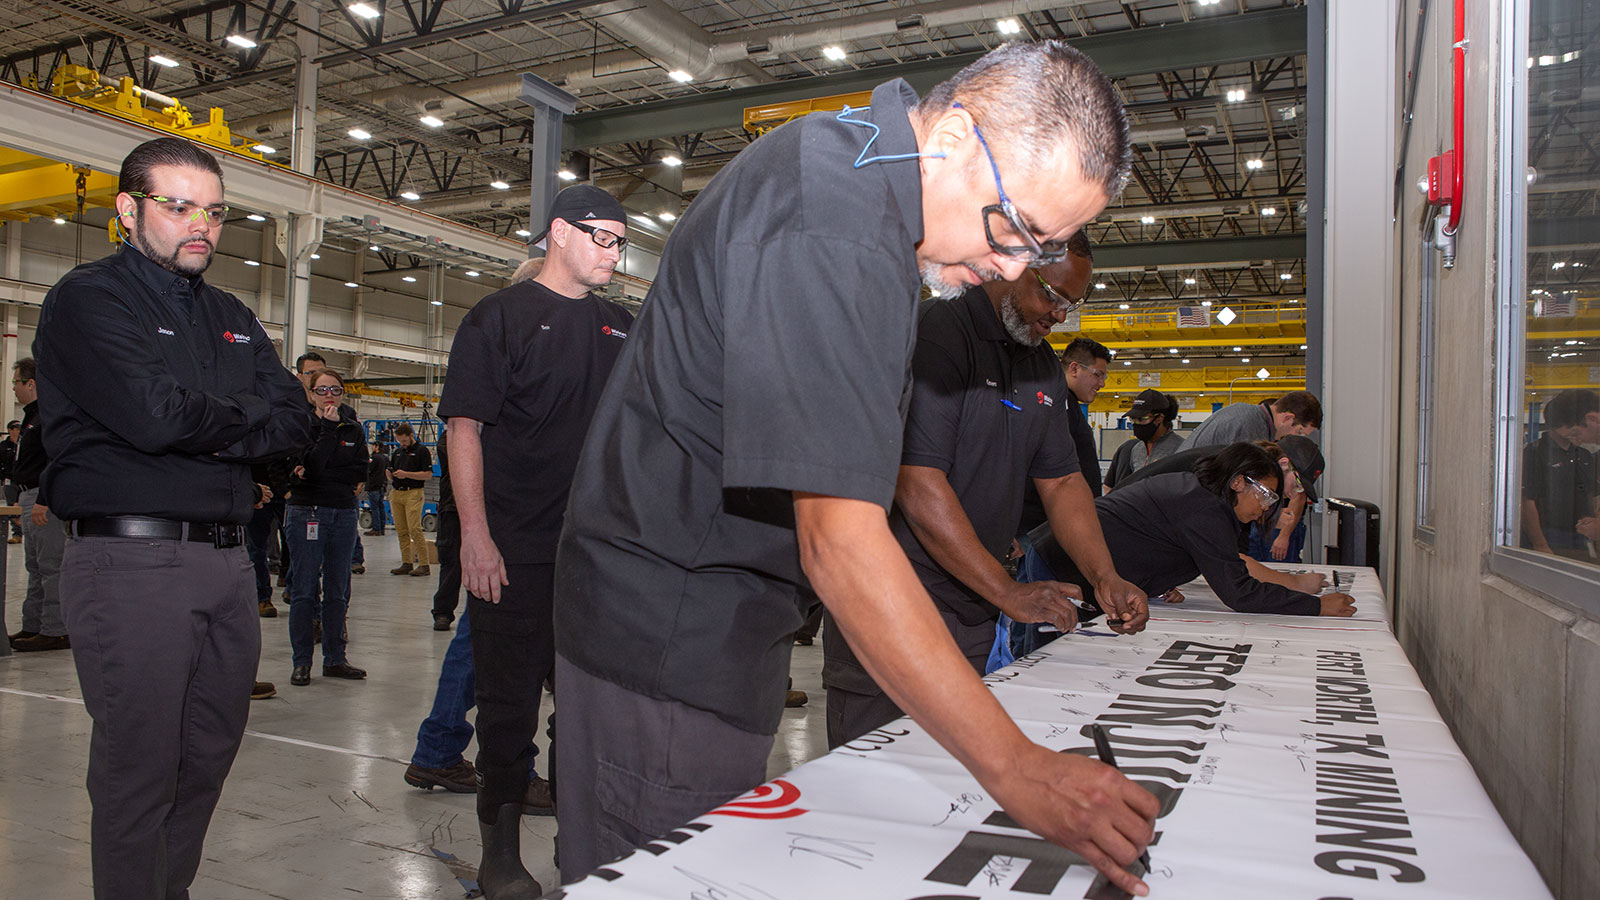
pixel 759 120
pixel 35 186
pixel 1153 328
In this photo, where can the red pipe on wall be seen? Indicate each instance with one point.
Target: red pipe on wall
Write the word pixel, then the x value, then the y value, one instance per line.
pixel 1459 51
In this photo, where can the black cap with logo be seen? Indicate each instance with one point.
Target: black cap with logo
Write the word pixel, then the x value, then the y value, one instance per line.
pixel 580 203
pixel 1307 460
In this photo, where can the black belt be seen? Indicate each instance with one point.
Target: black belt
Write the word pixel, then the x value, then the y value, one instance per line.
pixel 146 528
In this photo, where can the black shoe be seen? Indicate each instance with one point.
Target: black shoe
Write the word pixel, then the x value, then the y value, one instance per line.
pixel 41 642
pixel 501 875
pixel 343 670
pixel 358 570
pixel 441 623
pixel 460 778
pixel 301 676
pixel 19 635
pixel 803 640
pixel 263 690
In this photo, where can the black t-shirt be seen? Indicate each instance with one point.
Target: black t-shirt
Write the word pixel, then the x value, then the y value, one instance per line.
pixel 447 494
pixel 378 472
pixel 1560 482
pixel 991 414
pixel 414 458
pixel 1033 514
pixel 530 365
pixel 772 356
pixel 1165 530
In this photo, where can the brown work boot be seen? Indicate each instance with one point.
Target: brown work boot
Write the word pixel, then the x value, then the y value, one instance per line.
pixel 41 642
pixel 540 800
pixel 793 699
pixel 404 569
pixel 421 570
pixel 460 778
pixel 263 690
pixel 268 611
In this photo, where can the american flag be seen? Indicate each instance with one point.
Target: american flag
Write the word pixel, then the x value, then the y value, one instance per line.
pixel 1193 317
pixel 1557 305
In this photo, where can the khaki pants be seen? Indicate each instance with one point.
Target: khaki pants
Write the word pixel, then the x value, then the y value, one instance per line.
pixel 407 508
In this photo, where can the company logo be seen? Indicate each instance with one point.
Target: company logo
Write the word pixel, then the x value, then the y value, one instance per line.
pixel 607 329
pixel 991 382
pixel 166 331
pixel 774 800
pixel 232 338
pixel 1046 399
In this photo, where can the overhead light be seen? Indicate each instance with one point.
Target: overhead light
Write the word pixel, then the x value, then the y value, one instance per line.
pixel 1547 60
pixel 1237 349
pixel 565 175
pixel 472 273
pixel 316 256
pixel 1008 26
pixel 239 40
pixel 360 134
pixel 351 284
pixel 265 148
pixel 409 279
pixel 834 53
pixel 60 221
pixel 1188 281
pixel 1236 95
pixel 1253 163
pixel 1269 210
pixel 523 232
pixel 671 160
pixel 1172 349
pixel 1186 360
pixel 1113 353
pixel 1147 220
pixel 1262 373
pixel 437 302
pixel 256 217
pixel 499 185
pixel 1244 359
pixel 1205 302
pixel 680 76
pixel 431 121
pixel 1285 276
pixel 362 10
pixel 1122 306
pixel 1302 346
pixel 251 262
pixel 1208 2
pixel 410 195
pixel 1227 315
pixel 667 217
pixel 1127 362
pixel 167 61
pixel 1099 285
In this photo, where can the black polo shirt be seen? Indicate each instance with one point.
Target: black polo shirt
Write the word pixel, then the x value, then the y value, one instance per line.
pixel 415 458
pixel 530 365
pixel 1560 481
pixel 772 356
pixel 1033 514
pixel 991 414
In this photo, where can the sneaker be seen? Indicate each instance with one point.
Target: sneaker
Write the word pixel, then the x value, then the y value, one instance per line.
pixel 358 570
pixel 539 800
pixel 404 569
pixel 263 690
pixel 41 642
pixel 268 611
pixel 793 699
pixel 421 570
pixel 460 778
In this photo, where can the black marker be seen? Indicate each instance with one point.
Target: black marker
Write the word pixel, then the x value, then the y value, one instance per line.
pixel 1102 746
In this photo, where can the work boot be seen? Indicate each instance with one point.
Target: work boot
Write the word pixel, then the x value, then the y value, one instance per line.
pixel 404 569
pixel 268 611
pixel 41 642
pixel 263 690
pixel 460 778
pixel 422 570
pixel 501 875
pixel 539 801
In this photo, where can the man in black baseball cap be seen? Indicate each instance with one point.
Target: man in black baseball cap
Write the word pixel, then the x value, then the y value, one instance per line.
pixel 589 205
pixel 1307 460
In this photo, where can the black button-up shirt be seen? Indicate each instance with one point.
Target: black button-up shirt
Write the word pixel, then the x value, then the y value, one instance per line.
pixel 157 392
pixel 31 455
pixel 991 414
pixel 771 356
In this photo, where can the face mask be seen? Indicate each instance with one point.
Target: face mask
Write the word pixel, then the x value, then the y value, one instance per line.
pixel 1146 431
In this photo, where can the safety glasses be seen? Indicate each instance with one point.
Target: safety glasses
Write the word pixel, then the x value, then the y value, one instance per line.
pixel 1267 496
pixel 601 236
pixel 182 210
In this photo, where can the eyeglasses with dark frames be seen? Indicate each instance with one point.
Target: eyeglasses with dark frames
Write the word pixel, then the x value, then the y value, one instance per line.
pixel 1058 301
pixel 1033 251
pixel 328 390
pixel 601 236
pixel 185 210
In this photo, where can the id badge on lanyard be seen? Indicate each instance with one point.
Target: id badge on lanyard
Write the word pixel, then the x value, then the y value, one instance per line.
pixel 311 531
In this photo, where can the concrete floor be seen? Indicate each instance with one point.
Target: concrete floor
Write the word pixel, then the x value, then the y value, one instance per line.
pixel 315 805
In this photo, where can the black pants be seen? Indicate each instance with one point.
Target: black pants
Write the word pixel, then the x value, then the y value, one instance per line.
pixel 166 639
pixel 856 704
pixel 447 538
pixel 513 650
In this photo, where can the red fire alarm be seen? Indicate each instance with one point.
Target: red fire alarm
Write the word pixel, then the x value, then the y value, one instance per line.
pixel 1442 178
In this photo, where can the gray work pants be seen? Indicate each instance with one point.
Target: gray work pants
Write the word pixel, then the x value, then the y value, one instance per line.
pixel 633 768
pixel 41 554
pixel 166 637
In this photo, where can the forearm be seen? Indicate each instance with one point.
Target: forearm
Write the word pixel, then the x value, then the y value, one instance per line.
pixel 466 474
pixel 1531 525
pixel 865 580
pixel 1266 574
pixel 940 524
pixel 1292 513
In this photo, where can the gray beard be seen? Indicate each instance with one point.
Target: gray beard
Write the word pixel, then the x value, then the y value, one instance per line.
pixel 936 284
pixel 1011 318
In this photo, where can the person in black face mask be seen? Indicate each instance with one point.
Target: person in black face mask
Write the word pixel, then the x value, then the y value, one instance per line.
pixel 1152 416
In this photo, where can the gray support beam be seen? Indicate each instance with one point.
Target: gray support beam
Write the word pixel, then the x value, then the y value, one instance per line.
pixel 13 271
pixel 303 135
pixel 551 105
pixel 1316 162
pixel 1242 251
pixel 1212 41
pixel 299 236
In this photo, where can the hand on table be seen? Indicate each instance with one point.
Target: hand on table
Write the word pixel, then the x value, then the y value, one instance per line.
pixel 1173 596
pixel 1309 582
pixel 1122 600
pixel 483 571
pixel 1342 605
pixel 1043 601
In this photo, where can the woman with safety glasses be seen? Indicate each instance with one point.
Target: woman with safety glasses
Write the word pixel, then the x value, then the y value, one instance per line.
pixel 1165 530
pixel 322 530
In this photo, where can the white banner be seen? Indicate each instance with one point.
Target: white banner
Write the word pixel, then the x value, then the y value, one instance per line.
pixel 1293 757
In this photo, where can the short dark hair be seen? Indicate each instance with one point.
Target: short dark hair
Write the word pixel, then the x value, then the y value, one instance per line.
pixel 1078 245
pixel 168 151
pixel 1217 471
pixel 1569 407
pixel 401 429
pixel 311 355
pixel 1084 351
pixel 13 424
pixel 26 368
pixel 336 376
pixel 1030 96
pixel 1305 406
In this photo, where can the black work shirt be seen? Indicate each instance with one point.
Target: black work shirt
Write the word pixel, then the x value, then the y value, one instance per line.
pixel 1560 482
pixel 771 356
pixel 1164 531
pixel 159 390
pixel 414 458
pixel 377 472
pixel 8 458
pixel 530 364
pixel 447 494
pixel 991 414
pixel 1033 513
pixel 31 456
pixel 332 467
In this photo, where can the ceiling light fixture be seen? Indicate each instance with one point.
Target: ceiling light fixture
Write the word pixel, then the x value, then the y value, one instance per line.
pixel 1236 95
pixel 431 121
pixel 565 175
pixel 1099 285
pixel 1269 210
pixel 256 217
pixel 680 76
pixel 251 262
pixel 410 195
pixel 360 134
pixel 1147 220
pixel 351 284
pixel 60 221
pixel 499 185
pixel 1205 302
pixel 1189 281
pixel 1244 359
pixel 409 279
pixel 375 248
pixel 1186 360
pixel 834 52
pixel 1284 276
pixel 363 10
pixel 239 40
pixel 1253 163
pixel 167 61
pixel 437 302
pixel 472 273
pixel 316 256
pixel 1008 26
pixel 523 232
pixel 671 160
pixel 1122 306
pixel 267 149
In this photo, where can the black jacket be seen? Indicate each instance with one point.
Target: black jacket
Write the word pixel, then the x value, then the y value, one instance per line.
pixel 378 472
pixel 31 457
pixel 158 391
pixel 333 465
pixel 8 458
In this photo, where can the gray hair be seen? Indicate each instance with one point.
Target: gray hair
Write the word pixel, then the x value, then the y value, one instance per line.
pixel 528 270
pixel 1031 98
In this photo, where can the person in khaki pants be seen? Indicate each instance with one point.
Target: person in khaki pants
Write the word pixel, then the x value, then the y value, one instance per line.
pixel 410 467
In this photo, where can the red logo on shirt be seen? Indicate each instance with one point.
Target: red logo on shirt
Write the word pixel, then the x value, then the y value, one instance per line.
pixel 765 802
pixel 607 329
pixel 227 336
pixel 1046 399
pixel 232 338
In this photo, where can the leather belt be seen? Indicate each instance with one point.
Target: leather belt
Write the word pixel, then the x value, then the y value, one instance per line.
pixel 144 527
